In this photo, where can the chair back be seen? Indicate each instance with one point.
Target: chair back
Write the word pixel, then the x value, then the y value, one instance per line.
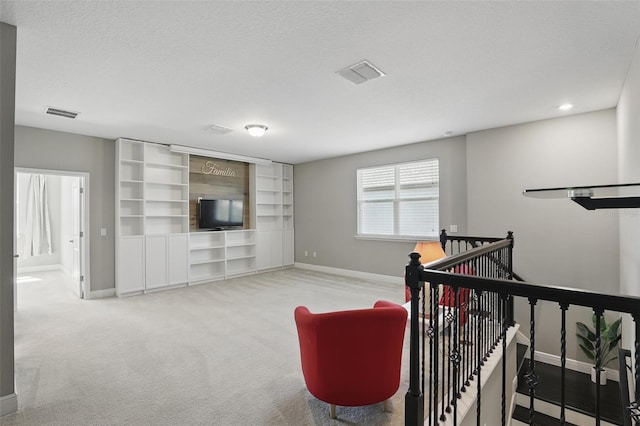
pixel 352 358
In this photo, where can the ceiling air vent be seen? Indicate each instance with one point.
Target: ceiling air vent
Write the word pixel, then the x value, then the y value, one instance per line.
pixel 361 72
pixel 62 113
pixel 219 130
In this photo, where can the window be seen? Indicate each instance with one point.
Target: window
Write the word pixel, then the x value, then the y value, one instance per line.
pixel 399 200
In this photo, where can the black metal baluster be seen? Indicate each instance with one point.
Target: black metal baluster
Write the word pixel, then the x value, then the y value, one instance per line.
pixel 425 289
pixel 503 320
pixel 465 340
pixel 494 339
pixel 443 416
pixel 563 360
pixel 531 377
pixel 455 356
pixel 474 335
pixel 436 350
pixel 431 356
pixel 449 323
pixel 479 364
pixel 598 312
pixel 486 338
pixel 636 320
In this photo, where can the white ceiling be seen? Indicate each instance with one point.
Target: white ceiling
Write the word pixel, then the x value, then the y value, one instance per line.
pixel 164 71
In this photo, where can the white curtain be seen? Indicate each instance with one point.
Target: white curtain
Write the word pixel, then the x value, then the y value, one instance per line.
pixel 37 232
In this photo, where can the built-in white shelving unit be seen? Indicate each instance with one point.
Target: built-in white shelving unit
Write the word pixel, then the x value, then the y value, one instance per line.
pixel 153 217
pixel 215 255
pixel 274 215
pixel 154 248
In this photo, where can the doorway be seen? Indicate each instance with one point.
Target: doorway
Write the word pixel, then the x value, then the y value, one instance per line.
pixel 51 226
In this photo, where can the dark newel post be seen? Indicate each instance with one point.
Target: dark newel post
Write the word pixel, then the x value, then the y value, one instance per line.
pixel 414 399
pixel 510 310
pixel 443 239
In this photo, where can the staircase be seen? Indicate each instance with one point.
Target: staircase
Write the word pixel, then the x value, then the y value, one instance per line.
pixel 579 398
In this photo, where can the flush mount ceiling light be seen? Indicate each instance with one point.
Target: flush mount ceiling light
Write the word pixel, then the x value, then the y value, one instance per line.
pixel 256 130
pixel 565 107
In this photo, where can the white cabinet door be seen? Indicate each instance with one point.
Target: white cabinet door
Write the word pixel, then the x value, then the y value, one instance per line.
pixel 130 265
pixel 263 246
pixel 156 261
pixel 288 247
pixel 275 251
pixel 178 259
pixel 268 249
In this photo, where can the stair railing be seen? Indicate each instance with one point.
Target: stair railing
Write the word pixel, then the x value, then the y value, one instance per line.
pixel 464 327
pixel 480 289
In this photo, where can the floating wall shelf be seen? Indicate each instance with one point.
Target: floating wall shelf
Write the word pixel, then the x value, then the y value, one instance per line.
pixel 616 196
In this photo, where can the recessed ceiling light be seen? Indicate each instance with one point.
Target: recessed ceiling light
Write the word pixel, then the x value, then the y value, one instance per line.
pixel 449 133
pixel 256 130
pixel 565 107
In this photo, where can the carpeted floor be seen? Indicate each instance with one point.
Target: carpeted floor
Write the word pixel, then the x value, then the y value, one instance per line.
pixel 224 353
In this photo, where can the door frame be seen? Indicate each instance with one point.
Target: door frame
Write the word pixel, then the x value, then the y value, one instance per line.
pixel 85 224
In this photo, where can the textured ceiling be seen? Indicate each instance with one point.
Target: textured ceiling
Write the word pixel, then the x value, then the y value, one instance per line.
pixel 164 71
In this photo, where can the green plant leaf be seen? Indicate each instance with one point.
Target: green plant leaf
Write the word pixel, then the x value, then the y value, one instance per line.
pixel 615 327
pixel 588 352
pixel 584 331
pixel 586 343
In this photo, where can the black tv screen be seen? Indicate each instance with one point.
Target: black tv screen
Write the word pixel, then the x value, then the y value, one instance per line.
pixel 220 214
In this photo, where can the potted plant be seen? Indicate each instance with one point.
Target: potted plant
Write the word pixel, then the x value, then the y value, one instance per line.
pixel 609 337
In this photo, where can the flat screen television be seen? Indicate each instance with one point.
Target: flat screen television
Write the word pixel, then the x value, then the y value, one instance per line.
pixel 220 214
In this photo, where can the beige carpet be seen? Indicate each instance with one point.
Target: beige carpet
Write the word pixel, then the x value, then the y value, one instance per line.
pixel 224 353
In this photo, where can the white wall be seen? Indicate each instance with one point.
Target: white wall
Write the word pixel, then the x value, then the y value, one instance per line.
pixel 557 242
pixel 628 113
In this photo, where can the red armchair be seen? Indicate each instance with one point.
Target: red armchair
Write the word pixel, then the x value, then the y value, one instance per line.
pixel 352 358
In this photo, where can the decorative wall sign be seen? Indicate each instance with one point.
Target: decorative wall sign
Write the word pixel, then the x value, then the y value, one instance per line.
pixel 212 168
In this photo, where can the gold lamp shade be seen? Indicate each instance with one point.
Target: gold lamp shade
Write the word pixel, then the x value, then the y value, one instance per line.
pixel 429 251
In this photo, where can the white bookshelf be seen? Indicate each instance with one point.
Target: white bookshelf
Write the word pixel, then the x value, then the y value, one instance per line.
pixel 154 248
pixel 274 215
pixel 152 212
pixel 216 255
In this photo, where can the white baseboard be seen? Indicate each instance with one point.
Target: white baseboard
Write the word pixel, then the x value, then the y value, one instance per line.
pixel 350 273
pixel 572 364
pixel 43 268
pixel 8 404
pixel 101 294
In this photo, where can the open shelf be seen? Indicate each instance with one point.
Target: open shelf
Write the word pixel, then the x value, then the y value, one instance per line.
pixel 614 196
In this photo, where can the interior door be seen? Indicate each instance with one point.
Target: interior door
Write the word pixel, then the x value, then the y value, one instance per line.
pixel 77 226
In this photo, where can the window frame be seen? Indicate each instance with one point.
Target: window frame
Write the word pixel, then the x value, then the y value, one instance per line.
pixel 397 201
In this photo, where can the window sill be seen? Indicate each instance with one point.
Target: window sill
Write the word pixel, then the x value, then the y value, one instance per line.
pixel 396 238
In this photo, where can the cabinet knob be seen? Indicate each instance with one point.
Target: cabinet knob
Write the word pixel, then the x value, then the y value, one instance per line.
pixel 16 255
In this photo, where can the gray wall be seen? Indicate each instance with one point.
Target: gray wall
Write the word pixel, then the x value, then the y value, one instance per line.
pixel 557 242
pixel 325 206
pixel 628 114
pixel 7 120
pixel 48 149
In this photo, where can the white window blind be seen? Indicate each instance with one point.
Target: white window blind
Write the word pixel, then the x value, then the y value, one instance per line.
pixel 400 200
